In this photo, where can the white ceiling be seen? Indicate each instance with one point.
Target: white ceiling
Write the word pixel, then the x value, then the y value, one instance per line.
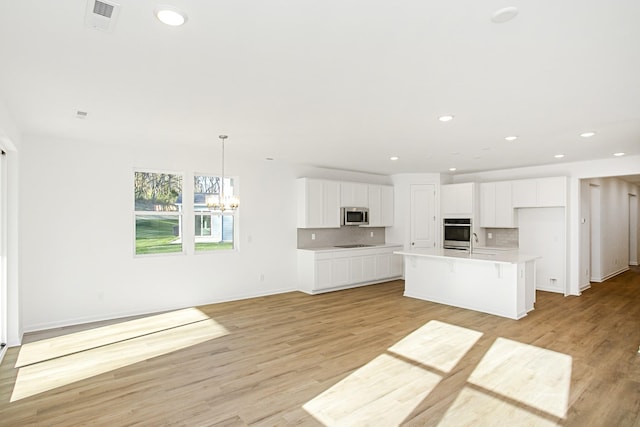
pixel 335 83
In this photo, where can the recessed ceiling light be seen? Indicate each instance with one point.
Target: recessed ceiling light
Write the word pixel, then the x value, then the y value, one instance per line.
pixel 171 16
pixel 452 169
pixel 445 118
pixel 505 14
pixel 394 158
pixel 619 154
pixel 511 138
pixel 559 156
pixel 587 134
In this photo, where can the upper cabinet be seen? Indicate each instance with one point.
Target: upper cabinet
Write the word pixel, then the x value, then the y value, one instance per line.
pixel 354 194
pixel 540 192
pixel 496 206
pixel 380 205
pixel 457 199
pixel 318 203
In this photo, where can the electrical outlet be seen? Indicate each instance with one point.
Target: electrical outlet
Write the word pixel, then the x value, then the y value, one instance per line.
pixel 372 234
pixel 489 235
pixel 313 236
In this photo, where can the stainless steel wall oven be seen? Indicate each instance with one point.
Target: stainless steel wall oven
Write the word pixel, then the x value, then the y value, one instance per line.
pixel 457 233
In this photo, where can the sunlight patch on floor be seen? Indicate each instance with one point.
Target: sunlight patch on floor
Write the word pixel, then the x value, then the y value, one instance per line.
pixel 473 408
pixel 385 390
pixel 437 345
pixel 58 372
pixel 51 348
pixel 534 376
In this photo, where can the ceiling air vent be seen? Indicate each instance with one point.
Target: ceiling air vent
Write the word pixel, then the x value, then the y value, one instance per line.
pixel 101 15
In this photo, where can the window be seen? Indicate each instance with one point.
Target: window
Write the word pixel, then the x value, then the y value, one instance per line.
pixel 213 230
pixel 158 213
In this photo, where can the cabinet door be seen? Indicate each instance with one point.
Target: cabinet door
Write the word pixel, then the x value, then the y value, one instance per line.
pixel 331 204
pixel 356 269
pixel 354 194
pixel 380 205
pixel 383 266
pixel 323 274
pixel 318 203
pixel 369 268
pixel 504 213
pixel 396 265
pixel 340 272
pixel 457 199
pixel 525 193
pixel 552 191
pixel 488 204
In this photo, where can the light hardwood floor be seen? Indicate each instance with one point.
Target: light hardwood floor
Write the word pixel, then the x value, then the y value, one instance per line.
pixel 366 356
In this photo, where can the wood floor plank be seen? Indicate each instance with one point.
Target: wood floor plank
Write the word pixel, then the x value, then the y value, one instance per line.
pixel 340 352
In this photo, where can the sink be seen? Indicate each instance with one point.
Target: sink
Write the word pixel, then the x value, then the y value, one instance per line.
pixel 355 245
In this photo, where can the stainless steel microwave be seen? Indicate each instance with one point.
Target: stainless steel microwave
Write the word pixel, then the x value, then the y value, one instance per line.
pixel 354 216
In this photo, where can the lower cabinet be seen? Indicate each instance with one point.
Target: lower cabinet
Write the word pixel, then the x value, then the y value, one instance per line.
pixel 329 270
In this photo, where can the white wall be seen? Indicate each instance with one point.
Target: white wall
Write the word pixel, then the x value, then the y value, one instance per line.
pixel 76 230
pixel 628 165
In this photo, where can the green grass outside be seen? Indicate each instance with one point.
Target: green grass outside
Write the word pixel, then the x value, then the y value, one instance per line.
pixel 154 235
pixel 213 246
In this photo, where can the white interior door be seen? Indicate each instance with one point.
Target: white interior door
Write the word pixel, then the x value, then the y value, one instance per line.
pixel 423 216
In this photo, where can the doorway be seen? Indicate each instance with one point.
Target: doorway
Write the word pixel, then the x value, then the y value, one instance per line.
pixel 594 234
pixel 633 229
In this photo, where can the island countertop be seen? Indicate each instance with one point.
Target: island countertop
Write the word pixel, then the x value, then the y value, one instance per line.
pixel 506 257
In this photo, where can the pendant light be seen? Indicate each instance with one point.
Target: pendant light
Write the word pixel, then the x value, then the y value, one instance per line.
pixel 223 203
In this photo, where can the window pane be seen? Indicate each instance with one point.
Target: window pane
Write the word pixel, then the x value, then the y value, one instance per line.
pixel 157 234
pixel 157 191
pixel 214 231
pixel 207 186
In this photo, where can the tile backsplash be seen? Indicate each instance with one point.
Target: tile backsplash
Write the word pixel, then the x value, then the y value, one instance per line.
pixel 346 235
pixel 502 237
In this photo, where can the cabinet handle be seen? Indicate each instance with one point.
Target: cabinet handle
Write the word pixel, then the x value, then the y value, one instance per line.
pixel 413 243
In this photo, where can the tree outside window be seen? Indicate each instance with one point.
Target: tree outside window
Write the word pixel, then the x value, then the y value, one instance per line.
pixel 158 213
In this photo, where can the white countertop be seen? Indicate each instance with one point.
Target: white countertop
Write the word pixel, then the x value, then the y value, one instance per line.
pixel 334 249
pixel 508 257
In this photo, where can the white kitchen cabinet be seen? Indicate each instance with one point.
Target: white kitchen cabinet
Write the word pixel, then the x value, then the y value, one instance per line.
pixel 383 265
pixel 540 192
pixel 330 270
pixel 318 203
pixel 354 194
pixel 457 199
pixel 496 206
pixel 380 205
pixel 552 191
pixel 340 271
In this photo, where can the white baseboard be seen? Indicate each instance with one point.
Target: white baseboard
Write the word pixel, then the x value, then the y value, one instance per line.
pixel 610 275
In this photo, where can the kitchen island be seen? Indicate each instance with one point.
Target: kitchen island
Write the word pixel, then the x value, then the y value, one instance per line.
pixel 502 284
